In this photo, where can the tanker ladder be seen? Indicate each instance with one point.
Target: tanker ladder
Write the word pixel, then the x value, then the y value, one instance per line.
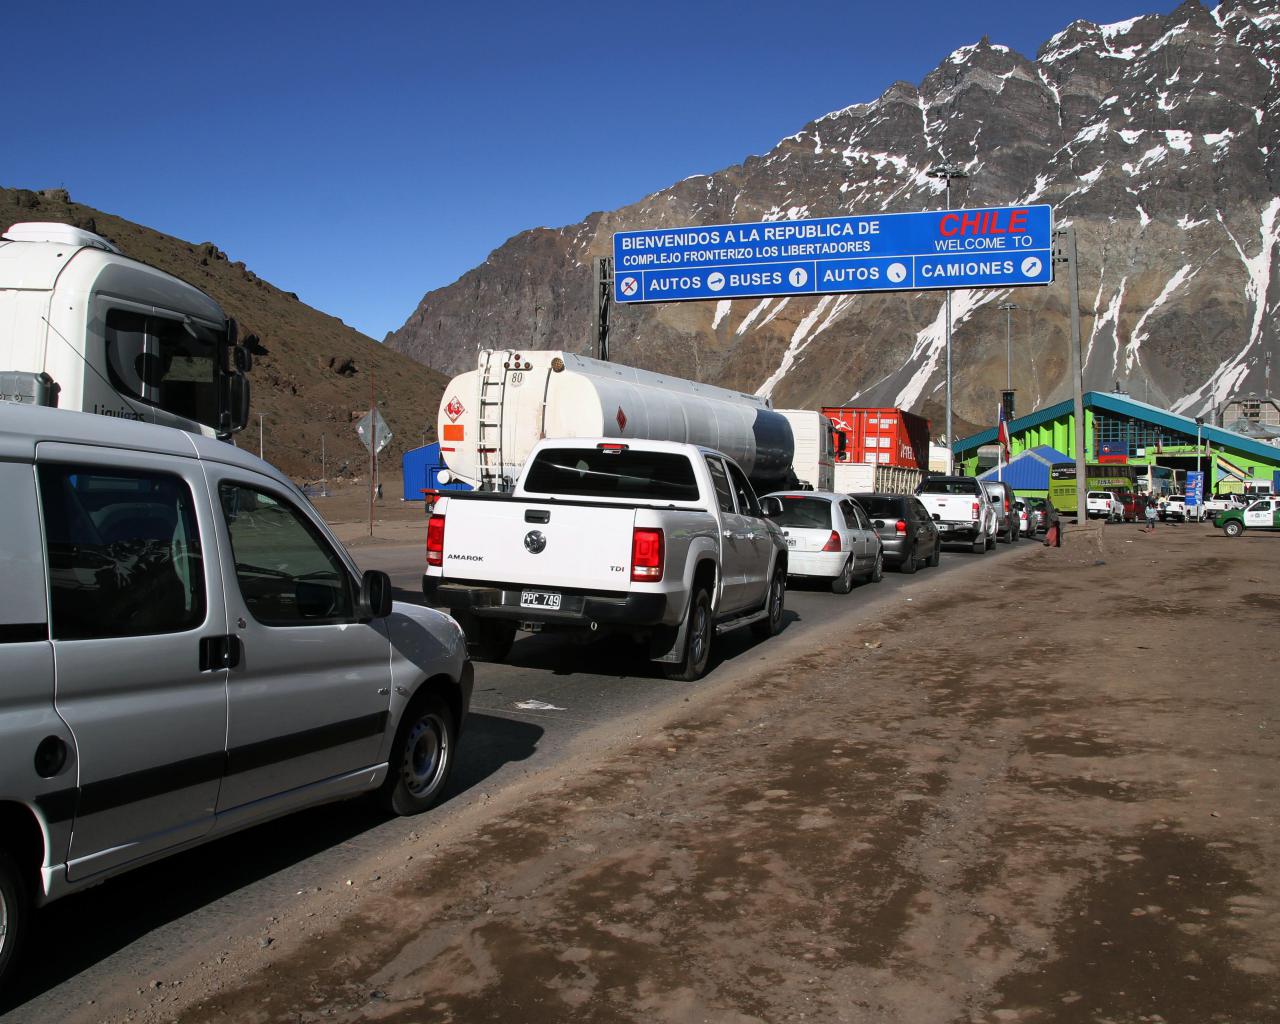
pixel 493 392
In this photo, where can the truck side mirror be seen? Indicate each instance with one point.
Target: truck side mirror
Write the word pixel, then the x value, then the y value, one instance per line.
pixel 242 357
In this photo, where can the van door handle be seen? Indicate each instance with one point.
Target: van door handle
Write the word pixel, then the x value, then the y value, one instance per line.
pixel 219 652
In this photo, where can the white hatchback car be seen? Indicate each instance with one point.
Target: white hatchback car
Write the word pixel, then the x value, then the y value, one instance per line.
pixel 828 536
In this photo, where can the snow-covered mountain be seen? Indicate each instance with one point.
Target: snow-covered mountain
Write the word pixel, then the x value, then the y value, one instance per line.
pixel 1156 138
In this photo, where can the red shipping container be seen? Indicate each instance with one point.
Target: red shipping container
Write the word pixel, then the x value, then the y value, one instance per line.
pixel 892 437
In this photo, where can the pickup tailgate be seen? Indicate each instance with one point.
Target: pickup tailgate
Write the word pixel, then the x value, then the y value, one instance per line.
pixel 538 544
pixel 952 508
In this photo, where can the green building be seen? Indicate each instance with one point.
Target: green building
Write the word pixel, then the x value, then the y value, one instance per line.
pixel 1120 430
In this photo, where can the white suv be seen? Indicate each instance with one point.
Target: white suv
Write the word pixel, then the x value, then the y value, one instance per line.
pixel 185 651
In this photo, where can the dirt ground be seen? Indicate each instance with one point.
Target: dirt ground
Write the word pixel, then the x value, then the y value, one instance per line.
pixel 1042 790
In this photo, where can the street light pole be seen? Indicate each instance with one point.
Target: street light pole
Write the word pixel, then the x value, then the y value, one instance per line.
pixel 946 171
pixel 1200 465
pixel 1008 308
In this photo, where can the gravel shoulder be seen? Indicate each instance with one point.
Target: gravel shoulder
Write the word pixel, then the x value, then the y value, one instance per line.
pixel 1039 790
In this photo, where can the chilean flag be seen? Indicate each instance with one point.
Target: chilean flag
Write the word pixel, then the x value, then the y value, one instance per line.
pixel 1002 433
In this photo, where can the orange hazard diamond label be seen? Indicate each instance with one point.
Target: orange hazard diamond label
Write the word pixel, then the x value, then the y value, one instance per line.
pixel 454 409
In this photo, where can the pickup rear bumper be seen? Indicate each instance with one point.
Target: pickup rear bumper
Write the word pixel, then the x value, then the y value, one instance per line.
pixel 959 531
pixel 577 608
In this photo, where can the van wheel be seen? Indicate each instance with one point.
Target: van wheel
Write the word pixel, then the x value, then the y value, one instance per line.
pixel 421 757
pixel 772 624
pixel 1233 528
pixel 697 641
pixel 843 583
pixel 490 639
pixel 15 908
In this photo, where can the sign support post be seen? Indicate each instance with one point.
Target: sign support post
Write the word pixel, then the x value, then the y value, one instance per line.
pixel 1067 253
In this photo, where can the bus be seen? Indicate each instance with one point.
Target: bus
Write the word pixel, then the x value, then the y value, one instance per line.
pixel 1099 476
pixel 84 327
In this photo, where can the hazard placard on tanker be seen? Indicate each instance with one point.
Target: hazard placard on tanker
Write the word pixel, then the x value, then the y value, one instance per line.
pixel 993 247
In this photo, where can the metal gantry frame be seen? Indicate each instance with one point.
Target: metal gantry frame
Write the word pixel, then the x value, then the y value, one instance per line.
pixel 603 306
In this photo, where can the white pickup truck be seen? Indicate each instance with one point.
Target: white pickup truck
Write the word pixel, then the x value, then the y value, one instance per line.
pixel 962 509
pixel 1104 505
pixel 654 539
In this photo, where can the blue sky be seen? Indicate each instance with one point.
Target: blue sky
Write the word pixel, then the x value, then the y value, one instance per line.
pixel 363 154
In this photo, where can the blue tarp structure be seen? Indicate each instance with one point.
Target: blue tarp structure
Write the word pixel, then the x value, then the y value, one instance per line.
pixel 1030 470
pixel 422 467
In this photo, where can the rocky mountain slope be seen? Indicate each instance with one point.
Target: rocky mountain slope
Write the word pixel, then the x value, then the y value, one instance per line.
pixel 311 371
pixel 1156 138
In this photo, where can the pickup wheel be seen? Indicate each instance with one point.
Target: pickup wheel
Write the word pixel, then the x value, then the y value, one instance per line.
pixel 843 583
pixel 771 625
pixel 489 639
pixel 1233 528
pixel 15 908
pixel 421 757
pixel 980 545
pixel 697 641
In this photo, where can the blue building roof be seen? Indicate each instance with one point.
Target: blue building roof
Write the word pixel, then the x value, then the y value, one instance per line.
pixel 1123 405
pixel 1030 470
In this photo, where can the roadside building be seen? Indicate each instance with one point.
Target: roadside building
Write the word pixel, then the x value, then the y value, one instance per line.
pixel 1123 431
pixel 1028 473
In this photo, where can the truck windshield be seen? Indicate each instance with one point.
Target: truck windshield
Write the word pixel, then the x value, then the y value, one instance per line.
pixel 612 473
pixel 168 363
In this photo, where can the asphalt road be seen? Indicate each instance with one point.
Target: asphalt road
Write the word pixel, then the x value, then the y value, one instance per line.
pixel 128 931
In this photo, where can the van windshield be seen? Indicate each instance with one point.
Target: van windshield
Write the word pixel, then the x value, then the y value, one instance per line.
pixel 612 473
pixel 165 362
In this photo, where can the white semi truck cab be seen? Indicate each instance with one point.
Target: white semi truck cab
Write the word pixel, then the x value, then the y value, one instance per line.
pixel 84 327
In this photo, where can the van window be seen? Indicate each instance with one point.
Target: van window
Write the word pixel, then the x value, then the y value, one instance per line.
pixel 288 573
pixel 171 364
pixel 22 600
pixel 124 552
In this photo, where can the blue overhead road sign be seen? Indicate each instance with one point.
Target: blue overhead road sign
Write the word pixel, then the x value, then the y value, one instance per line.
pixel 995 247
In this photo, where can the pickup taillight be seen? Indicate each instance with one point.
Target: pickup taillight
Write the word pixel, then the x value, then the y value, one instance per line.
pixel 974 513
pixel 833 542
pixel 647 554
pixel 435 540
pixel 900 526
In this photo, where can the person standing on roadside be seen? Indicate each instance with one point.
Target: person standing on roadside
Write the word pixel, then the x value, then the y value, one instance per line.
pixel 1151 515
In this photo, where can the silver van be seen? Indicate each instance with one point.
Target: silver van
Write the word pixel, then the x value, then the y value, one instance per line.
pixel 185 650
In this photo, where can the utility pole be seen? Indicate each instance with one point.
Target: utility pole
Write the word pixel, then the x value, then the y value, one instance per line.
pixel 1067 254
pixel 946 171
pixel 324 476
pixel 603 306
pixel 1204 491
pixel 1008 308
pixel 373 444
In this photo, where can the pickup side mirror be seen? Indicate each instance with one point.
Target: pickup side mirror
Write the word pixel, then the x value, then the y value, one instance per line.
pixel 770 507
pixel 375 596
pixel 937 517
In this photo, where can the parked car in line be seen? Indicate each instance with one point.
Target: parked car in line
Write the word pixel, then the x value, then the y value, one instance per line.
pixel 1028 518
pixel 1104 505
pixel 1262 514
pixel 962 509
pixel 1046 514
pixel 908 534
pixel 661 541
pixel 1002 499
pixel 185 651
pixel 828 536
